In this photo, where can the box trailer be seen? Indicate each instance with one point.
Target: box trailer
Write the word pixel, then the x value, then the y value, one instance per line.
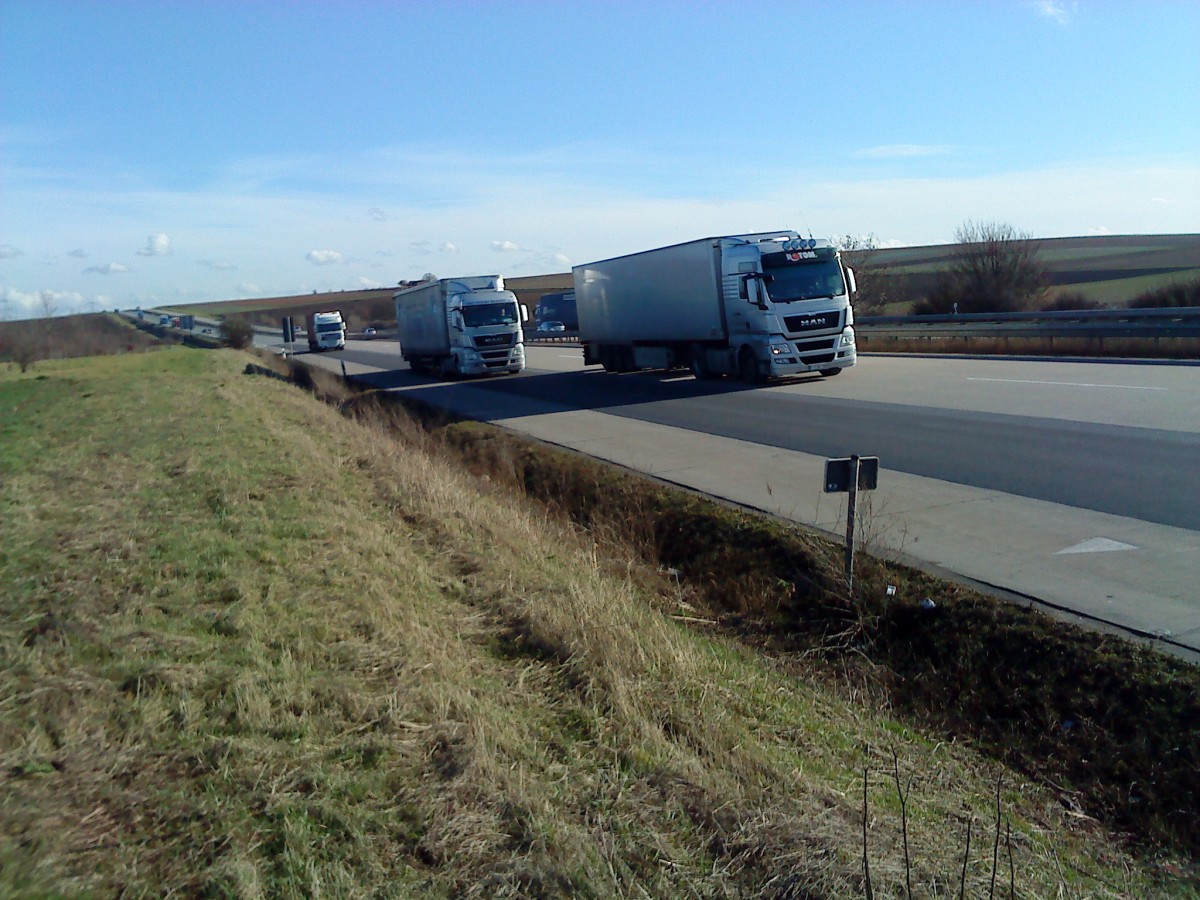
pixel 756 306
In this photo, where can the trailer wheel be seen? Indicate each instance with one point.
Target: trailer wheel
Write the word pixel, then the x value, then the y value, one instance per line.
pixel 748 369
pixel 696 364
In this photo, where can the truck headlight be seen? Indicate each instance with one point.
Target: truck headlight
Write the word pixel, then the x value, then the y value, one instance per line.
pixel 778 348
pixel 848 337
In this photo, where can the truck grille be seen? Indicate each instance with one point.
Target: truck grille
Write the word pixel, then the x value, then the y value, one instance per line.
pixel 824 321
pixel 810 346
pixel 494 340
pixel 494 358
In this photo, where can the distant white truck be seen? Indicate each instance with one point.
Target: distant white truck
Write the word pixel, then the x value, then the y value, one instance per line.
pixel 461 326
pixel 326 330
pixel 755 306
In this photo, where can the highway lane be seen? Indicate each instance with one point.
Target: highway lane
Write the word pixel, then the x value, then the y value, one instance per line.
pixel 1145 473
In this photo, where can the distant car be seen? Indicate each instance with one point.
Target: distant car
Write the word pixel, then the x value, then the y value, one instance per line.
pixel 551 326
pixel 369 332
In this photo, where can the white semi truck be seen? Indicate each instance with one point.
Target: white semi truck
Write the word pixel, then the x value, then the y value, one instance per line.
pixel 326 330
pixel 755 306
pixel 461 326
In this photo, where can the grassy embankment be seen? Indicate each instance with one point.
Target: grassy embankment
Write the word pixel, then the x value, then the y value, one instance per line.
pixel 252 646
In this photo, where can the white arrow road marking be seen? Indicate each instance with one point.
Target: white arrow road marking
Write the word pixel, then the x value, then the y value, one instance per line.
pixel 1096 545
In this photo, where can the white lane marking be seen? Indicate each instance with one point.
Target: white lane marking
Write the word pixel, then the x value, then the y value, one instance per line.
pixel 1123 387
pixel 1096 545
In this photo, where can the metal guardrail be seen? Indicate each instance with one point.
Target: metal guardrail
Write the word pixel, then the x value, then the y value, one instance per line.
pixel 552 337
pixel 1177 322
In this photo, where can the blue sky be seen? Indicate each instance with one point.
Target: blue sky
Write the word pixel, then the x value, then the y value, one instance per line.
pixel 186 151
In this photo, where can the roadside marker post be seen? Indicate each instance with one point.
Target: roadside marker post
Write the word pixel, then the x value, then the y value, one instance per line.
pixel 849 476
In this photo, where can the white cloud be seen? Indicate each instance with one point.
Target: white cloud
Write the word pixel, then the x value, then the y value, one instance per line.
pixel 16 304
pixel 111 268
pixel 594 219
pixel 368 283
pixel 156 245
pixel 1056 10
pixel 249 289
pixel 77 253
pixel 375 214
pixel 420 248
pixel 8 251
pixel 217 266
pixel 903 151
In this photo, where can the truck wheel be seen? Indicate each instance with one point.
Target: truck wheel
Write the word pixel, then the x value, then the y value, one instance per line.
pixel 829 373
pixel 748 369
pixel 696 364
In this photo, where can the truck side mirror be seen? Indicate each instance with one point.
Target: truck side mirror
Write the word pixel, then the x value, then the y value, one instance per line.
pixel 851 281
pixel 524 312
pixel 456 320
pixel 754 295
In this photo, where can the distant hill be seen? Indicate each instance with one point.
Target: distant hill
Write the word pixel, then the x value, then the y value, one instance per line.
pixel 1107 269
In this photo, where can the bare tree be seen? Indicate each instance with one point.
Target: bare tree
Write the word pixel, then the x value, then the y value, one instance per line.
pixel 878 282
pixel 48 309
pixel 994 268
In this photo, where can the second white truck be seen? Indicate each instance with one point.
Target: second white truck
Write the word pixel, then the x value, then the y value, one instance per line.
pixel 755 306
pixel 461 326
pixel 326 330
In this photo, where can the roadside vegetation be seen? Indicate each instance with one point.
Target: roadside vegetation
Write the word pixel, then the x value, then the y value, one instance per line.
pixel 256 644
pixel 27 341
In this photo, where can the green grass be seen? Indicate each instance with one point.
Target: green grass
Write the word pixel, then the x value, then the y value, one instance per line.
pixel 252 647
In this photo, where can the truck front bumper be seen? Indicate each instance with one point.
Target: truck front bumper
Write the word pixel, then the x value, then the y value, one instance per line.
pixel 814 354
pixel 490 362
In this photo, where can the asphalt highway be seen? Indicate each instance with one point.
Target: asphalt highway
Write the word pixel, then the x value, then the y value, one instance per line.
pixel 1151 474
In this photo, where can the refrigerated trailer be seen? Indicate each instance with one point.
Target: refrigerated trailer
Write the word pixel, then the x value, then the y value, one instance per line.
pixel 756 306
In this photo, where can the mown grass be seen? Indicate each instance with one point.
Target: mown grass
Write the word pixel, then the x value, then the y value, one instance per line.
pixel 254 647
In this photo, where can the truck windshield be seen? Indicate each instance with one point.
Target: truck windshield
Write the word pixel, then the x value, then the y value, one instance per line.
pixel 807 280
pixel 483 314
pixel 326 327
